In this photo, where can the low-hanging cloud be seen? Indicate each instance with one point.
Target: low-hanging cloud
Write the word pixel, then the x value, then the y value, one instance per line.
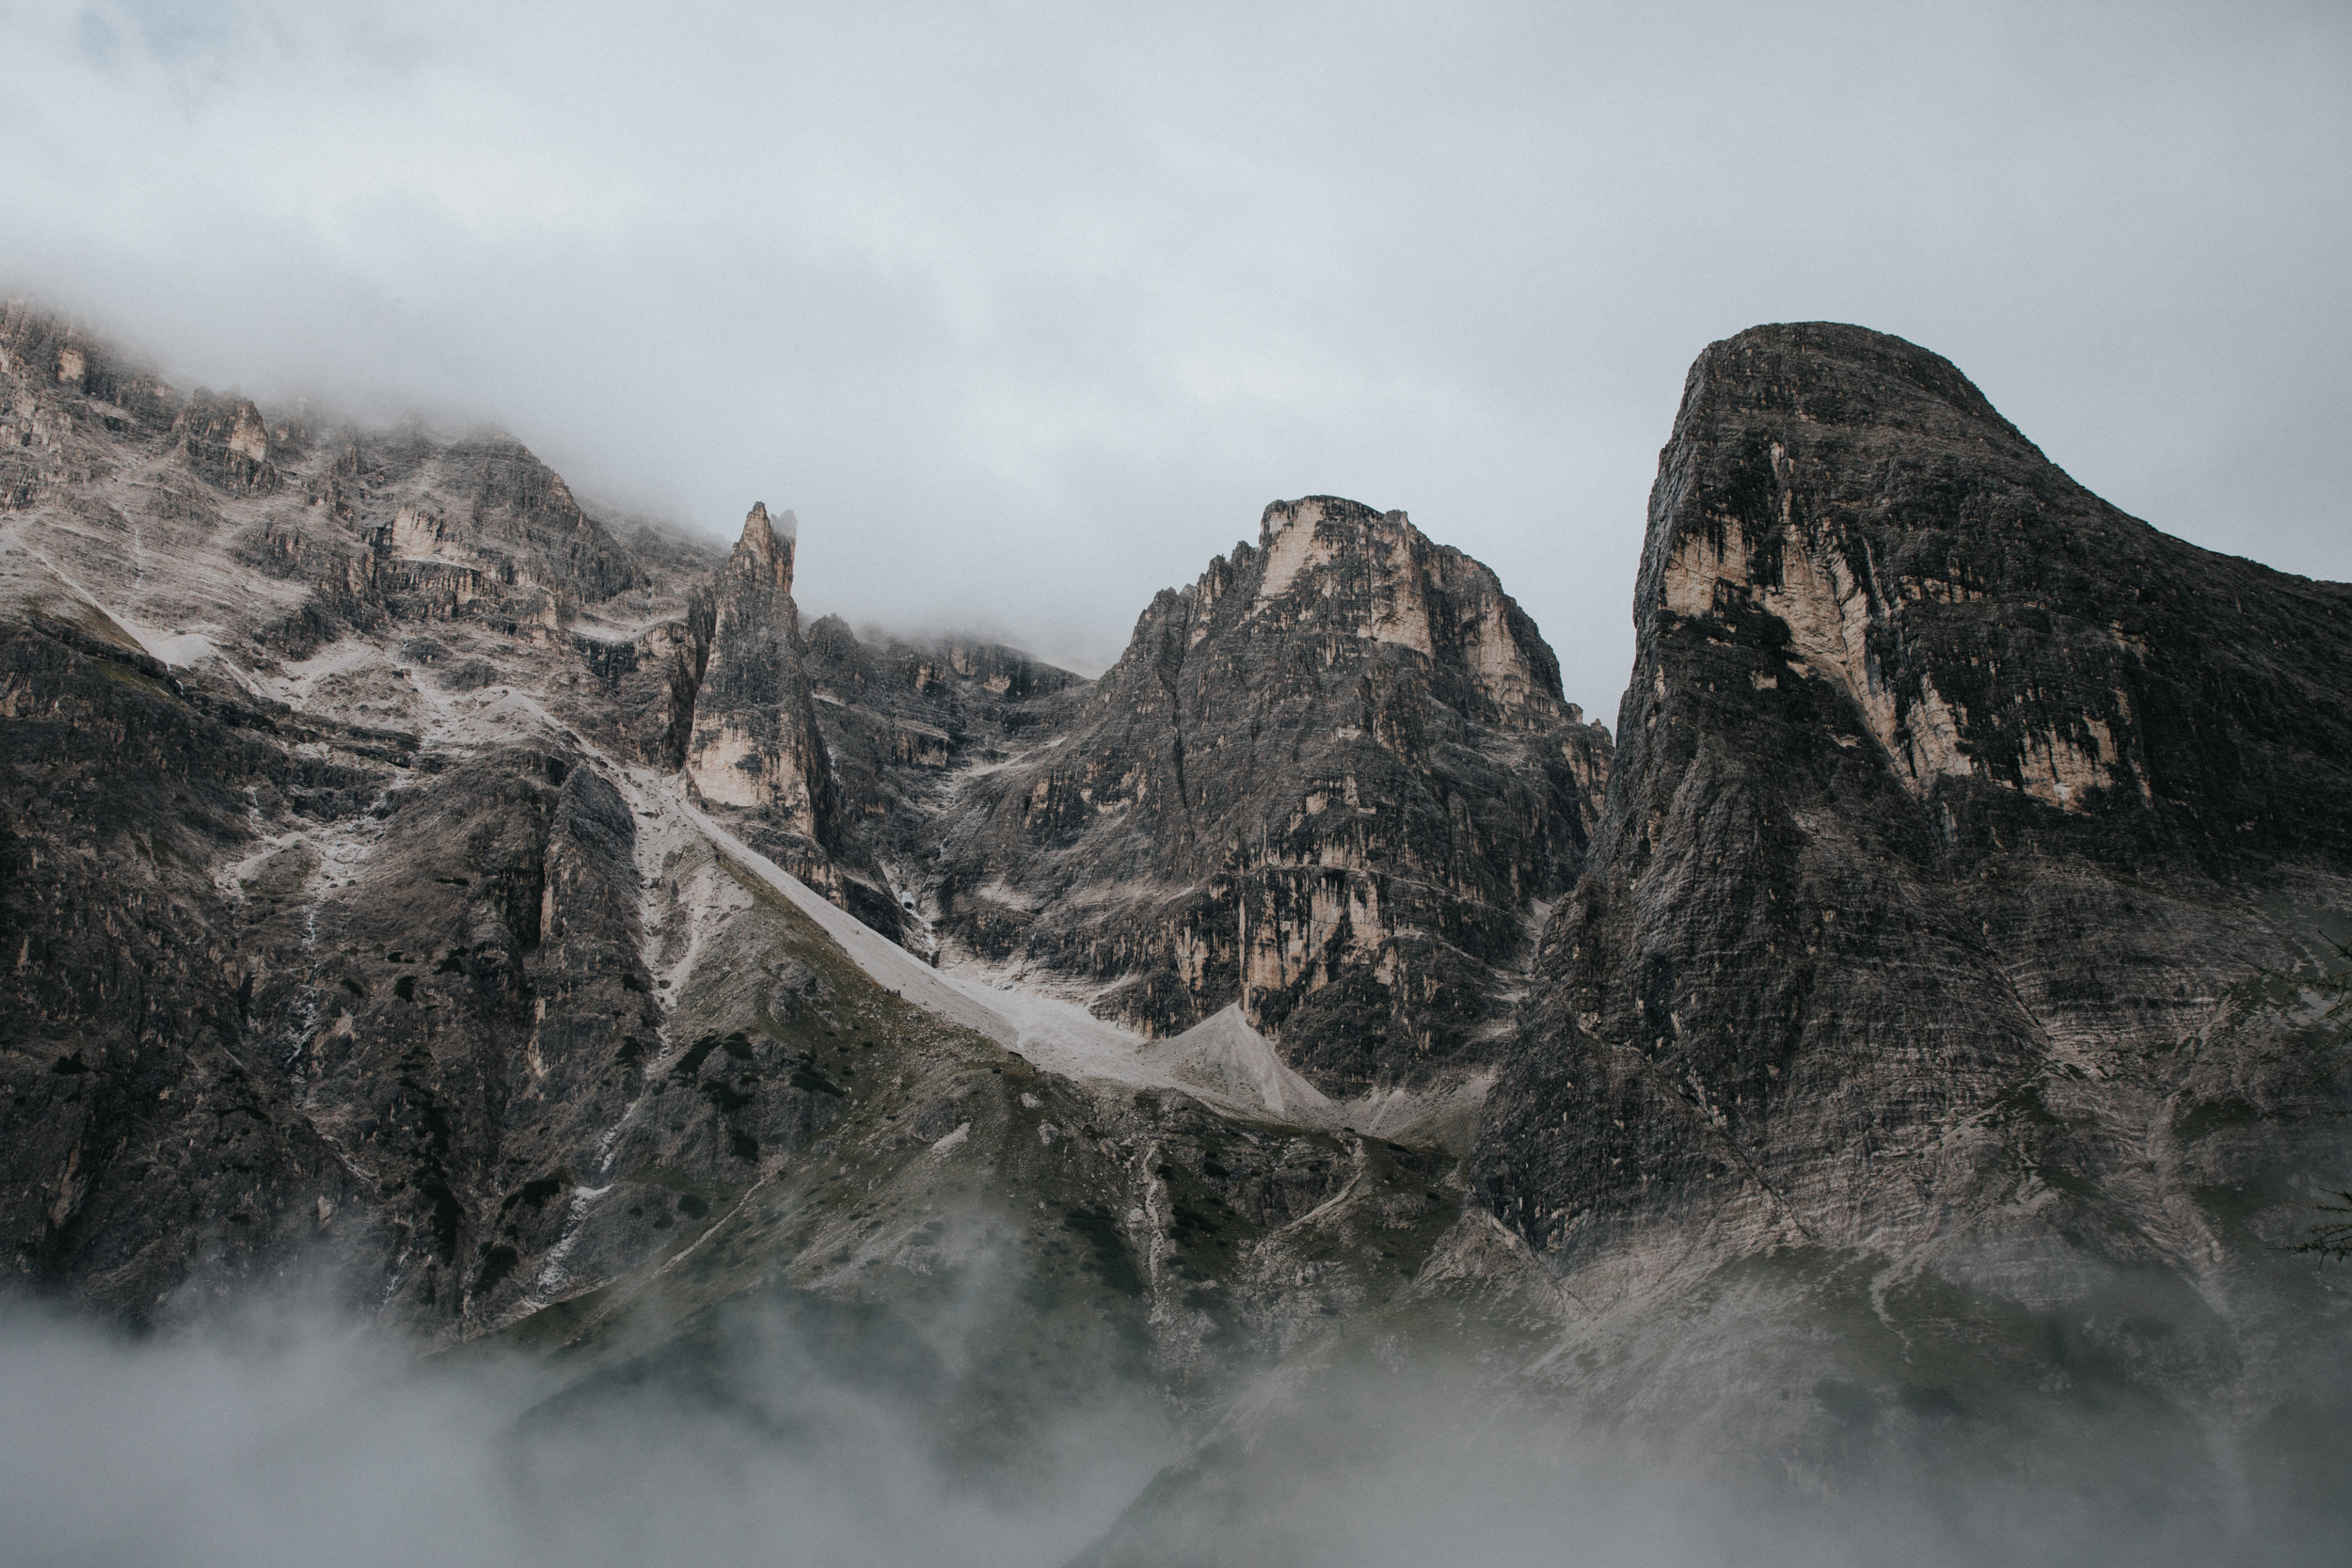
pixel 286 1435
pixel 1027 310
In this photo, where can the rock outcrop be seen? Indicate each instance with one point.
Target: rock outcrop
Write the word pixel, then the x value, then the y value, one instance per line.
pixel 903 721
pixel 149 1162
pixel 360 920
pixel 1963 836
pixel 754 743
pixel 227 441
pixel 397 876
pixel 1328 781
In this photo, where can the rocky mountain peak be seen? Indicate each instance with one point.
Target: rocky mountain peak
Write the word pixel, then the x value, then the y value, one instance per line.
pixel 1905 1033
pixel 2000 641
pixel 1834 373
pixel 763 555
pixel 1280 516
pixel 1337 568
pixel 1956 822
pixel 228 441
pixel 1326 780
pixel 754 743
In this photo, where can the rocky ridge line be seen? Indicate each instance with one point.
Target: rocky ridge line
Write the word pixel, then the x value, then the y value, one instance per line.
pixel 1327 782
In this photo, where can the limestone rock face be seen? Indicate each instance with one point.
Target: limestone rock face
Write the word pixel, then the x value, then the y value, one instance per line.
pixel 227 441
pixel 903 721
pixel 71 397
pixel 755 741
pixel 288 1000
pixel 1956 822
pixel 359 919
pixel 1327 781
pixel 1922 1018
pixel 147 1160
pixel 329 925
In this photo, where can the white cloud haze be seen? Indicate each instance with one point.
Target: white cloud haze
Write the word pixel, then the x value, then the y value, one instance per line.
pixel 286 1437
pixel 1027 309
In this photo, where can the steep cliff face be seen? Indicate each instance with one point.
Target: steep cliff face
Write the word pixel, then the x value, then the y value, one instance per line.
pixel 380 901
pixel 1963 832
pixel 754 743
pixel 333 925
pixel 903 721
pixel 397 875
pixel 148 1161
pixel 1327 782
pixel 70 395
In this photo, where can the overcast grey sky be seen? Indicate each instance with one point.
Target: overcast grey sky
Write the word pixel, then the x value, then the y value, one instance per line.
pixel 1028 309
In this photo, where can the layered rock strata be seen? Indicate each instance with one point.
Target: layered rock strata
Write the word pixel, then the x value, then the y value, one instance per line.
pixel 754 742
pixel 1327 782
pixel 903 722
pixel 1964 839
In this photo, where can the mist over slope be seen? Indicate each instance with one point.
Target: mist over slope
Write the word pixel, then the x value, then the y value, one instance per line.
pixel 843 1097
pixel 1944 961
pixel 287 1437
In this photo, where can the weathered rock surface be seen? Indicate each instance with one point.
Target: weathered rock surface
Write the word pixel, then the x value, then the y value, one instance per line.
pixel 1919 1093
pixel 333 937
pixel 397 880
pixel 755 744
pixel 1958 824
pixel 148 1158
pixel 387 899
pixel 1328 780
pixel 902 722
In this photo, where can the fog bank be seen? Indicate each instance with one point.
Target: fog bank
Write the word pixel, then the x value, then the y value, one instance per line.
pixel 286 1438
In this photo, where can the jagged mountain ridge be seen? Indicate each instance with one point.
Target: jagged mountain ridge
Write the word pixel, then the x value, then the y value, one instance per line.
pixel 1917 1028
pixel 1964 836
pixel 420 801
pixel 1925 1080
pixel 1992 751
pixel 1327 783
